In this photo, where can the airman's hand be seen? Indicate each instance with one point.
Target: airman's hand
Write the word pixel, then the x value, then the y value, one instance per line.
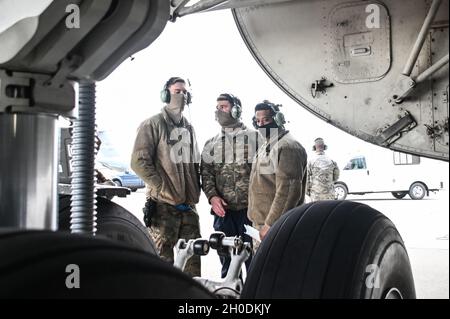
pixel 263 231
pixel 218 206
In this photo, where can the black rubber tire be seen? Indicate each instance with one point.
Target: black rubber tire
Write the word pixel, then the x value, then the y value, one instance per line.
pixel 114 222
pixel 399 195
pixel 417 195
pixel 342 188
pixel 323 249
pixel 117 182
pixel 33 265
pixel 109 197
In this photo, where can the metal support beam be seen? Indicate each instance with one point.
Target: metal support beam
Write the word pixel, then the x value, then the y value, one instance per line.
pixel 199 7
pixel 209 5
pixel 29 148
pixel 421 37
pixel 406 85
pixel 28 171
pixel 432 69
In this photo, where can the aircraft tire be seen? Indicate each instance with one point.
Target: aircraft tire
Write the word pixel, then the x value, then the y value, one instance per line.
pixel 114 222
pixel 331 249
pixel 43 264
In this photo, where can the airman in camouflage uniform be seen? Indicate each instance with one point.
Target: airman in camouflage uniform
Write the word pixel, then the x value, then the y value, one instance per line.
pixel 166 157
pixel 225 169
pixel 322 174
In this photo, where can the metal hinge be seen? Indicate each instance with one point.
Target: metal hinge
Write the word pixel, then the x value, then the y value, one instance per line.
pixel 320 86
pixel 35 93
pixel 391 133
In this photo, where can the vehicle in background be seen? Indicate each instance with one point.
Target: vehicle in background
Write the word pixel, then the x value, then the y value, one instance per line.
pixel 113 164
pixel 103 187
pixel 120 175
pixel 400 174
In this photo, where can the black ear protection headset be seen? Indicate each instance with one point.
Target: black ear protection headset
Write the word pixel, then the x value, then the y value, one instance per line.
pixel 165 93
pixel 324 145
pixel 277 116
pixel 236 106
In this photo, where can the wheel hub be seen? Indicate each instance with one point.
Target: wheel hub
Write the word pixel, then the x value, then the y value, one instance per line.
pixel 418 191
pixel 339 192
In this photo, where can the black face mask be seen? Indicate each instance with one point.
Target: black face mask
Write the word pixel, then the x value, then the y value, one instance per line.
pixel 265 130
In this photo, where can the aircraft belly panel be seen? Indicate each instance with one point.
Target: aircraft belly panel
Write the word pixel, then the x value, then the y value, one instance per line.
pixel 336 61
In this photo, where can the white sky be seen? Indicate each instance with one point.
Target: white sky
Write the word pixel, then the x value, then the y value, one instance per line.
pixel 13 10
pixel 208 50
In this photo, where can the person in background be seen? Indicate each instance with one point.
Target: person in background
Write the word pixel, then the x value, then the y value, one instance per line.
pixel 323 172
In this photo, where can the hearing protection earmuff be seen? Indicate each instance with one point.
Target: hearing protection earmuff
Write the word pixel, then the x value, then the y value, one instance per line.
pixel 277 116
pixel 165 93
pixel 236 106
pixel 324 145
pixel 324 148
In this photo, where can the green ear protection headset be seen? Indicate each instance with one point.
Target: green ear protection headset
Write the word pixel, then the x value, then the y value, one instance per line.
pixel 236 106
pixel 165 93
pixel 277 116
pixel 324 145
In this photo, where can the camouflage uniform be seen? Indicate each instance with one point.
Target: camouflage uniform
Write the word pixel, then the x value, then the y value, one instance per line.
pixel 169 167
pixel 170 224
pixel 225 169
pixel 226 166
pixel 322 173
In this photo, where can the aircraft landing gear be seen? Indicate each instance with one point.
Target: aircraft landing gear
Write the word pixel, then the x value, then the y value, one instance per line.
pixel 232 285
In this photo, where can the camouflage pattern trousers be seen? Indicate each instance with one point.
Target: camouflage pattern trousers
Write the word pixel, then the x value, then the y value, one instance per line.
pixel 169 225
pixel 321 196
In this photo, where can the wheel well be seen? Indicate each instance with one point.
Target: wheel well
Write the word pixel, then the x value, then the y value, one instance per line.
pixel 342 183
